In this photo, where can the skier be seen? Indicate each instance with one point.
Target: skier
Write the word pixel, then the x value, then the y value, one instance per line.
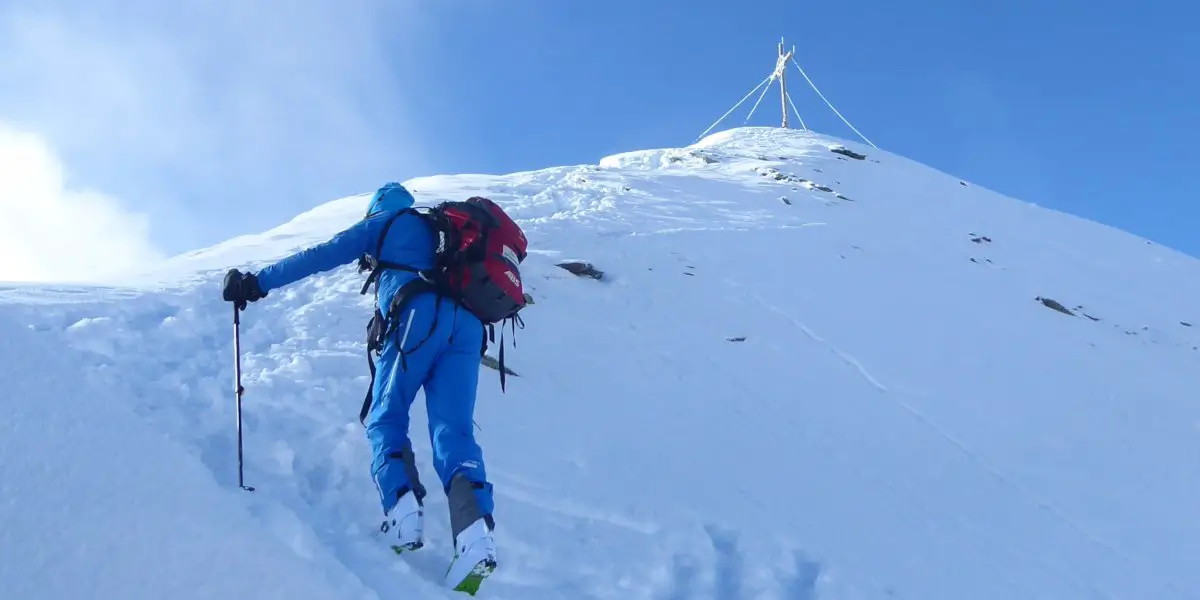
pixel 428 342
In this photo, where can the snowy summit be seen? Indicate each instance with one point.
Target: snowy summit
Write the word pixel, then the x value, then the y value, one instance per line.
pixel 769 365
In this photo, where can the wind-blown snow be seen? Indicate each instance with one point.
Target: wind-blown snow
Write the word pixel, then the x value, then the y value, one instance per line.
pixel 804 376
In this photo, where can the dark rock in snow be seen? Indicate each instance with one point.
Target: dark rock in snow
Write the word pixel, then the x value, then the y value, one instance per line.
pixel 777 175
pixel 1054 304
pixel 528 298
pixel 582 269
pixel 785 200
pixel 1185 323
pixel 848 152
pixel 740 338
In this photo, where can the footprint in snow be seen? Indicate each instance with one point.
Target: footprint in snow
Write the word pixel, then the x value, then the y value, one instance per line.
pixel 729 568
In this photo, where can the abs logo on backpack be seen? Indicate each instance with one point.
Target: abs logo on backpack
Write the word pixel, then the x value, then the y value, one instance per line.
pixel 482 251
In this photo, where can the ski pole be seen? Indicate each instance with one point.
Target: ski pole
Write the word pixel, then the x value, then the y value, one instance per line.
pixel 238 390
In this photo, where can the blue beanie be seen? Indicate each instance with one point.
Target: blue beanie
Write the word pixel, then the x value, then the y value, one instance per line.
pixel 391 197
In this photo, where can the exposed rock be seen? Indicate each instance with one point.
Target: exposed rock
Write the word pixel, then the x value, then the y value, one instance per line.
pixel 582 269
pixel 841 197
pixel 848 152
pixel 823 188
pixel 785 200
pixel 775 174
pixel 1054 304
pixel 740 338
pixel 528 298
pixel 1185 323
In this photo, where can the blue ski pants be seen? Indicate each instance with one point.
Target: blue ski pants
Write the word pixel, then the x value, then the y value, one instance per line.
pixel 442 343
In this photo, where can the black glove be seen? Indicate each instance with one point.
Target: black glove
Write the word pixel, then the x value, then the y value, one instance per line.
pixel 241 288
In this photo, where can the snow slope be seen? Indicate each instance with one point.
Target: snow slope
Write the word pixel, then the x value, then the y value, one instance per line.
pixel 96 504
pixel 804 376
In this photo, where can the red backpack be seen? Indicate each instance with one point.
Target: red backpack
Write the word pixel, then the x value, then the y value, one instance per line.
pixel 477 262
pixel 479 255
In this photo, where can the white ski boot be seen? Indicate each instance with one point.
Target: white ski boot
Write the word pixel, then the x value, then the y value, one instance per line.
pixel 474 558
pixel 404 526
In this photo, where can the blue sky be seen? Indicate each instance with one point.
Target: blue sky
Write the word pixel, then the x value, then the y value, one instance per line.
pixel 180 124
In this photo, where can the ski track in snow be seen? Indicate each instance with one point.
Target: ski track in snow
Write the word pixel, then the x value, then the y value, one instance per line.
pixel 850 360
pixel 960 446
pixel 679 430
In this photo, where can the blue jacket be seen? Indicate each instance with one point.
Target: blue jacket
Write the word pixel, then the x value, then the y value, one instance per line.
pixel 409 242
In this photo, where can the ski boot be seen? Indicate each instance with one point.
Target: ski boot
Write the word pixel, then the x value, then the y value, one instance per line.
pixel 474 558
pixel 471 525
pixel 404 524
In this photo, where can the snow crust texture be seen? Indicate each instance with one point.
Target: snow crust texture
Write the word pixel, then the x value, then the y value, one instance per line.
pixel 804 374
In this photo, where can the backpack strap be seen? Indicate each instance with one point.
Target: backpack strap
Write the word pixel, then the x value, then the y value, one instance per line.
pixel 490 335
pixel 375 264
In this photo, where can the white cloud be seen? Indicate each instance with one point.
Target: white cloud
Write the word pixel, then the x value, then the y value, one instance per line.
pixel 50 232
pixel 216 117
